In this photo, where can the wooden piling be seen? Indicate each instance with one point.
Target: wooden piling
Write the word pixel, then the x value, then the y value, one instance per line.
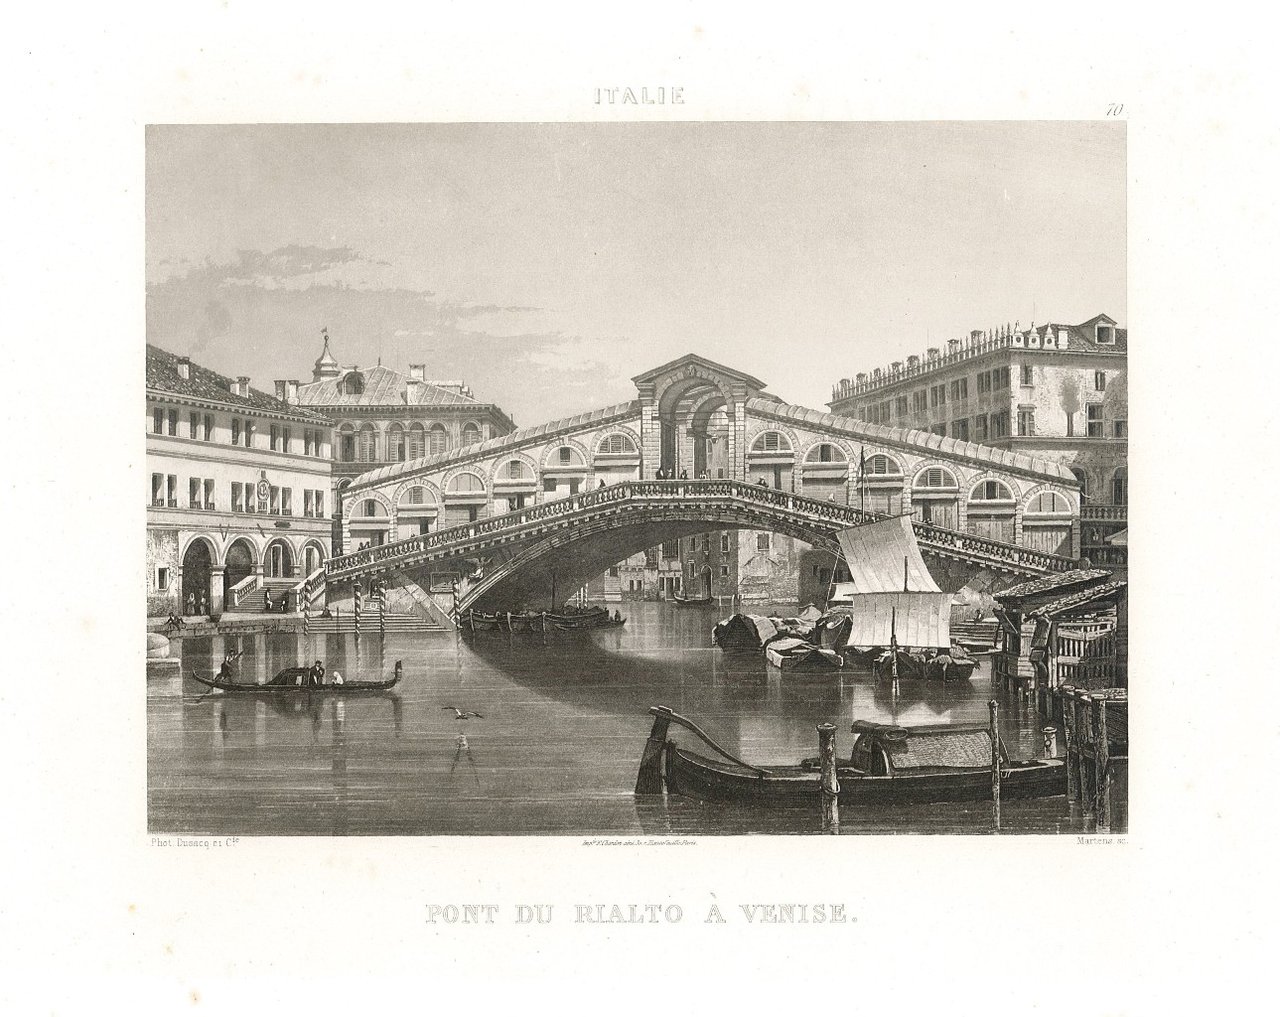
pixel 1066 699
pixel 830 782
pixel 649 776
pixel 995 764
pixel 1084 749
pixel 1101 767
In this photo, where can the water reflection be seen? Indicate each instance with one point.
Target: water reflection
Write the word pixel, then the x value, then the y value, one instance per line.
pixel 564 721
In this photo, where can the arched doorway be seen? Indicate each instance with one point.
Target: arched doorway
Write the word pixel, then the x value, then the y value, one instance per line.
pixel 279 560
pixel 312 558
pixel 197 577
pixel 239 565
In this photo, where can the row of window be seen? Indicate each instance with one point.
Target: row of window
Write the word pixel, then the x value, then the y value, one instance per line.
pixel 199 427
pixel 244 496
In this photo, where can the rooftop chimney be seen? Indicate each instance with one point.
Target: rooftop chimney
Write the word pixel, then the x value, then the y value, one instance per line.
pixel 184 368
pixel 953 345
pixel 413 387
pixel 240 386
pixel 417 372
pixel 876 372
pixel 861 377
pixel 896 366
pixel 913 361
pixel 291 392
pixel 975 335
pixel 932 353
pixel 280 390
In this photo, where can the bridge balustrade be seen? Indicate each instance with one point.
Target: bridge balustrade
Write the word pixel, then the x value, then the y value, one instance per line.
pixel 680 492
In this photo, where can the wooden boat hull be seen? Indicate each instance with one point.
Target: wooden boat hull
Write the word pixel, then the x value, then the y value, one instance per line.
pixel 909 667
pixel 295 690
pixel 815 660
pixel 692 601
pixel 956 671
pixel 695 776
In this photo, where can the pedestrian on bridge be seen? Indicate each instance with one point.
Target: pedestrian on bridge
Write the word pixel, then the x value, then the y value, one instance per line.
pixel 266 600
pixel 684 474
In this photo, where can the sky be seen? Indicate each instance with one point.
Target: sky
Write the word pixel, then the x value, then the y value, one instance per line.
pixel 547 264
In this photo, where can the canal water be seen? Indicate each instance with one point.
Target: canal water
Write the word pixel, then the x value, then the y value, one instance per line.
pixel 564 720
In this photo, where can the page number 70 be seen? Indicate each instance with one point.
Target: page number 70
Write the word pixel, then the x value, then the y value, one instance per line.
pixel 1115 109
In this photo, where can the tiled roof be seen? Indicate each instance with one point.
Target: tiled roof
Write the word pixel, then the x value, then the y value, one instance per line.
pixel 163 376
pixel 479 450
pixel 1047 584
pixel 1082 338
pixel 915 440
pixel 382 387
pixel 1080 598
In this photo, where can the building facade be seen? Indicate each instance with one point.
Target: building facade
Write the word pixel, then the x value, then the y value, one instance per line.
pixel 1057 392
pixel 381 416
pixel 240 489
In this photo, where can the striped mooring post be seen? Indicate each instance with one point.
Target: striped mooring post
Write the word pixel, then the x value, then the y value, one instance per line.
pixel 306 609
pixel 382 607
pixel 356 593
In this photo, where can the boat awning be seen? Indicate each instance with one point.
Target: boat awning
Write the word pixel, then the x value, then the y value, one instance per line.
pixel 879 553
pixel 916 619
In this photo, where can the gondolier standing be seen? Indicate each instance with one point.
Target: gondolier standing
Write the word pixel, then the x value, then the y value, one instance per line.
pixel 316 675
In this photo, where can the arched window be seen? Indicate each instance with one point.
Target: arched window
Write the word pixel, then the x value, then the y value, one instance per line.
pixel 466 483
pixel 825 453
pixel 346 444
pixel 395 443
pixel 616 445
pixel 437 440
pixel 1048 502
pixel 470 433
pixel 1120 486
pixel 1083 478
pixel 370 507
pixel 517 470
pixel 414 496
pixel 884 466
pixel 935 476
pixel 367 444
pixel 416 441
pixel 991 490
pixel 771 441
pixel 353 384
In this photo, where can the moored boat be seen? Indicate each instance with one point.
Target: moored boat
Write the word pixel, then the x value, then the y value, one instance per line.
pixel 955 664
pixel 293 681
pixel 790 654
pixel 887 765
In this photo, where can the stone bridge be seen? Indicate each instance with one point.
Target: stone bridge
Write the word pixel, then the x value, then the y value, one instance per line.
pixel 520 558
pixel 692 419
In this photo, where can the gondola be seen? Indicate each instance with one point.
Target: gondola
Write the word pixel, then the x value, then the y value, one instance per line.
pixel 692 601
pixel 889 765
pixel 286 683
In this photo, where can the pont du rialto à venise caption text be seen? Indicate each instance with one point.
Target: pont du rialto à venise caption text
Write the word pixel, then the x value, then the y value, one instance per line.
pixel 638 914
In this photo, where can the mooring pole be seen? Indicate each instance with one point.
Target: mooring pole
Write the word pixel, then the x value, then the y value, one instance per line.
pixel 1102 767
pixel 830 782
pixel 995 764
pixel 649 776
pixel 1050 741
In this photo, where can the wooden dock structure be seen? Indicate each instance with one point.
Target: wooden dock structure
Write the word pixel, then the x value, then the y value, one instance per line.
pixel 1096 725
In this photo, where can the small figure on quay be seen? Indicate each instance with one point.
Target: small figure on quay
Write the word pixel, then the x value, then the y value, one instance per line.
pixel 337 677
pixel 316 675
pixel 617 616
pixel 600 484
pixel 762 482
pixel 191 603
pixel 661 474
pixel 266 600
pixel 684 474
pixel 204 604
pixel 703 475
